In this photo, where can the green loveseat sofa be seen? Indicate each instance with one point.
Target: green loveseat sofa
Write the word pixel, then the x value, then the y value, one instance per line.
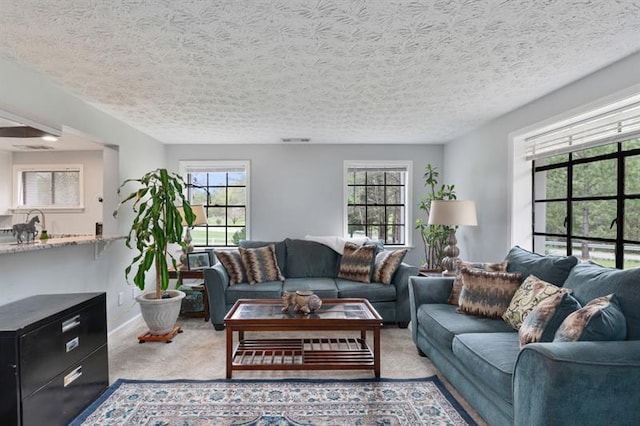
pixel 309 265
pixel 554 383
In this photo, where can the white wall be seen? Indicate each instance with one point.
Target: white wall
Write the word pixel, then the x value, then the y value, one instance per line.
pixel 79 222
pixel 297 190
pixel 479 162
pixel 73 269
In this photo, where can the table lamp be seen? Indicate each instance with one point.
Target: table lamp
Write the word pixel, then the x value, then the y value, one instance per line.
pixel 452 213
pixel 201 219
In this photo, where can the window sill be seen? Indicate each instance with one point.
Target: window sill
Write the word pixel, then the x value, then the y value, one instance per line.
pixel 25 210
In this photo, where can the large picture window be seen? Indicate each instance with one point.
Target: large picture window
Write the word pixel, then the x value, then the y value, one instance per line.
pixel 587 203
pixel 222 187
pixel 377 200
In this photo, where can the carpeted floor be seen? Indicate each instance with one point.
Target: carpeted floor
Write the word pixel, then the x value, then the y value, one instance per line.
pixel 277 403
pixel 199 354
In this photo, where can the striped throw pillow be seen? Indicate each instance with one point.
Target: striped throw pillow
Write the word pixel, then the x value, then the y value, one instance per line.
pixel 386 264
pixel 357 262
pixel 486 294
pixel 261 264
pixel 232 262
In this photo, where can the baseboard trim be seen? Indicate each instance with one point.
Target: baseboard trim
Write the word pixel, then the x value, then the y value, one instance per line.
pixel 125 325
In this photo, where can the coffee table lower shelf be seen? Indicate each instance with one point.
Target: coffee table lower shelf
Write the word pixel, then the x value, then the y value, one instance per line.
pixel 349 353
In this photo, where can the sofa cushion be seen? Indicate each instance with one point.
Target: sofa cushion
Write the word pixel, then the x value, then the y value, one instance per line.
pixel 543 321
pixel 281 251
pixel 489 357
pixel 599 320
pixel 325 288
pixel 357 262
pixel 532 291
pixel 552 269
pixel 232 262
pixel 386 264
pixel 308 259
pixel 267 290
pixel 441 323
pixel 485 266
pixel 261 264
pixel 373 292
pixel 487 294
pixel 590 280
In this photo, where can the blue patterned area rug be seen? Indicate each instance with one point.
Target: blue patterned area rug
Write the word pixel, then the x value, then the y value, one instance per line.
pixel 276 402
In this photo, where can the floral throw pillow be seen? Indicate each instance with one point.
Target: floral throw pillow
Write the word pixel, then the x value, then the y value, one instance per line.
pixel 486 294
pixel 232 262
pixel 599 320
pixel 543 321
pixel 261 264
pixel 532 291
pixel 485 266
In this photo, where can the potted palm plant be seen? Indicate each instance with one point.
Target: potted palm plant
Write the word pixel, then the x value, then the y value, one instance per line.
pixel 157 223
pixel 434 237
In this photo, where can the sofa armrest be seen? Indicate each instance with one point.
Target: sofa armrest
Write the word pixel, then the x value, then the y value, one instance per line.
pixel 426 290
pixel 216 279
pixel 401 281
pixel 577 383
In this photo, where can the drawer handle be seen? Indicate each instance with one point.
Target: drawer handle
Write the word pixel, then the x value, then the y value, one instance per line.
pixel 72 344
pixel 71 323
pixel 73 376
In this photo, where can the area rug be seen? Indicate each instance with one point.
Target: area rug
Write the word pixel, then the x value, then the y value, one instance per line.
pixel 276 402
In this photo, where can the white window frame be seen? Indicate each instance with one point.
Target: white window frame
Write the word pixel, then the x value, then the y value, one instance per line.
pixel 17 185
pixel 408 165
pixel 193 166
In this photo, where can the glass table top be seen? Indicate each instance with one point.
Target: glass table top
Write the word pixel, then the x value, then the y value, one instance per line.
pixel 349 310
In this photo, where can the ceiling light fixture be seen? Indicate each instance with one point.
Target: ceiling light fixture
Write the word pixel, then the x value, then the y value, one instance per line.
pixel 49 138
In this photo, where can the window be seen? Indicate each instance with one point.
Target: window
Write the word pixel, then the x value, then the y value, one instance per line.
pixel 48 186
pixel 222 187
pixel 376 200
pixel 586 187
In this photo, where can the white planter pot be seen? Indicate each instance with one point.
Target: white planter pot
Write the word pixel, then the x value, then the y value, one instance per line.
pixel 160 314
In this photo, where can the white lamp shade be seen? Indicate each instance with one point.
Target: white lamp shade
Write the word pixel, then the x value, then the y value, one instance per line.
pixel 453 213
pixel 198 210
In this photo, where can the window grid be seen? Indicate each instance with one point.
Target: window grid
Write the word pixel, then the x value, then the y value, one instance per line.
pixel 570 236
pixel 209 206
pixel 369 225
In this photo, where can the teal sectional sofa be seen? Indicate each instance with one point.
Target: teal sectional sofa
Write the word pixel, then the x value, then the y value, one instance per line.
pixel 554 383
pixel 309 265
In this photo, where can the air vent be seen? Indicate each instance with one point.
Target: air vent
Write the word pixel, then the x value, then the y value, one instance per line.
pixel 33 147
pixel 296 140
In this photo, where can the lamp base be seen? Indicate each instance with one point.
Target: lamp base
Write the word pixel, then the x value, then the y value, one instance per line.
pixel 451 251
pixel 184 258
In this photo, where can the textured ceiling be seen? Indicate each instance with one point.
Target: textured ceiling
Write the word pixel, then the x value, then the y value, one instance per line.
pixel 336 71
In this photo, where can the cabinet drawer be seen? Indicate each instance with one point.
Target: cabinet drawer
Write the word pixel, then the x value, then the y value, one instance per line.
pixel 50 349
pixel 64 397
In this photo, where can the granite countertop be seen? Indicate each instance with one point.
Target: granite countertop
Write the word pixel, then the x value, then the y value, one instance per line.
pixel 60 240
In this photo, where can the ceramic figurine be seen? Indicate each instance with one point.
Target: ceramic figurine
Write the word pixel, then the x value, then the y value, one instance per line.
pixel 302 301
pixel 20 229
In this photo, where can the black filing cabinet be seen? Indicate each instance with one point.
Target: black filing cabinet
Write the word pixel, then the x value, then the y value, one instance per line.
pixel 53 357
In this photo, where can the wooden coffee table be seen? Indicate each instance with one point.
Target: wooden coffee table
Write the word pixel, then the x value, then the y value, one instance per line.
pixel 309 352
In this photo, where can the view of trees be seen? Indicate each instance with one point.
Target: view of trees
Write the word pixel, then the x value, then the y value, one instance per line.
pixel 594 195
pixel 224 195
pixel 375 204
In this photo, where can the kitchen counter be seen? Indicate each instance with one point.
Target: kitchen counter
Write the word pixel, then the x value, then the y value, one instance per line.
pixel 58 241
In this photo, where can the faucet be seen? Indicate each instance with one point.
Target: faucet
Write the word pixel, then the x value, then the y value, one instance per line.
pixel 43 233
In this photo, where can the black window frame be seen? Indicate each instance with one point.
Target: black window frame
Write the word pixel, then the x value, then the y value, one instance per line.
pixel 384 227
pixel 208 187
pixel 620 197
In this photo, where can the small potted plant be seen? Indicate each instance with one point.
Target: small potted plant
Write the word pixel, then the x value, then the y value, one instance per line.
pixel 157 223
pixel 434 237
